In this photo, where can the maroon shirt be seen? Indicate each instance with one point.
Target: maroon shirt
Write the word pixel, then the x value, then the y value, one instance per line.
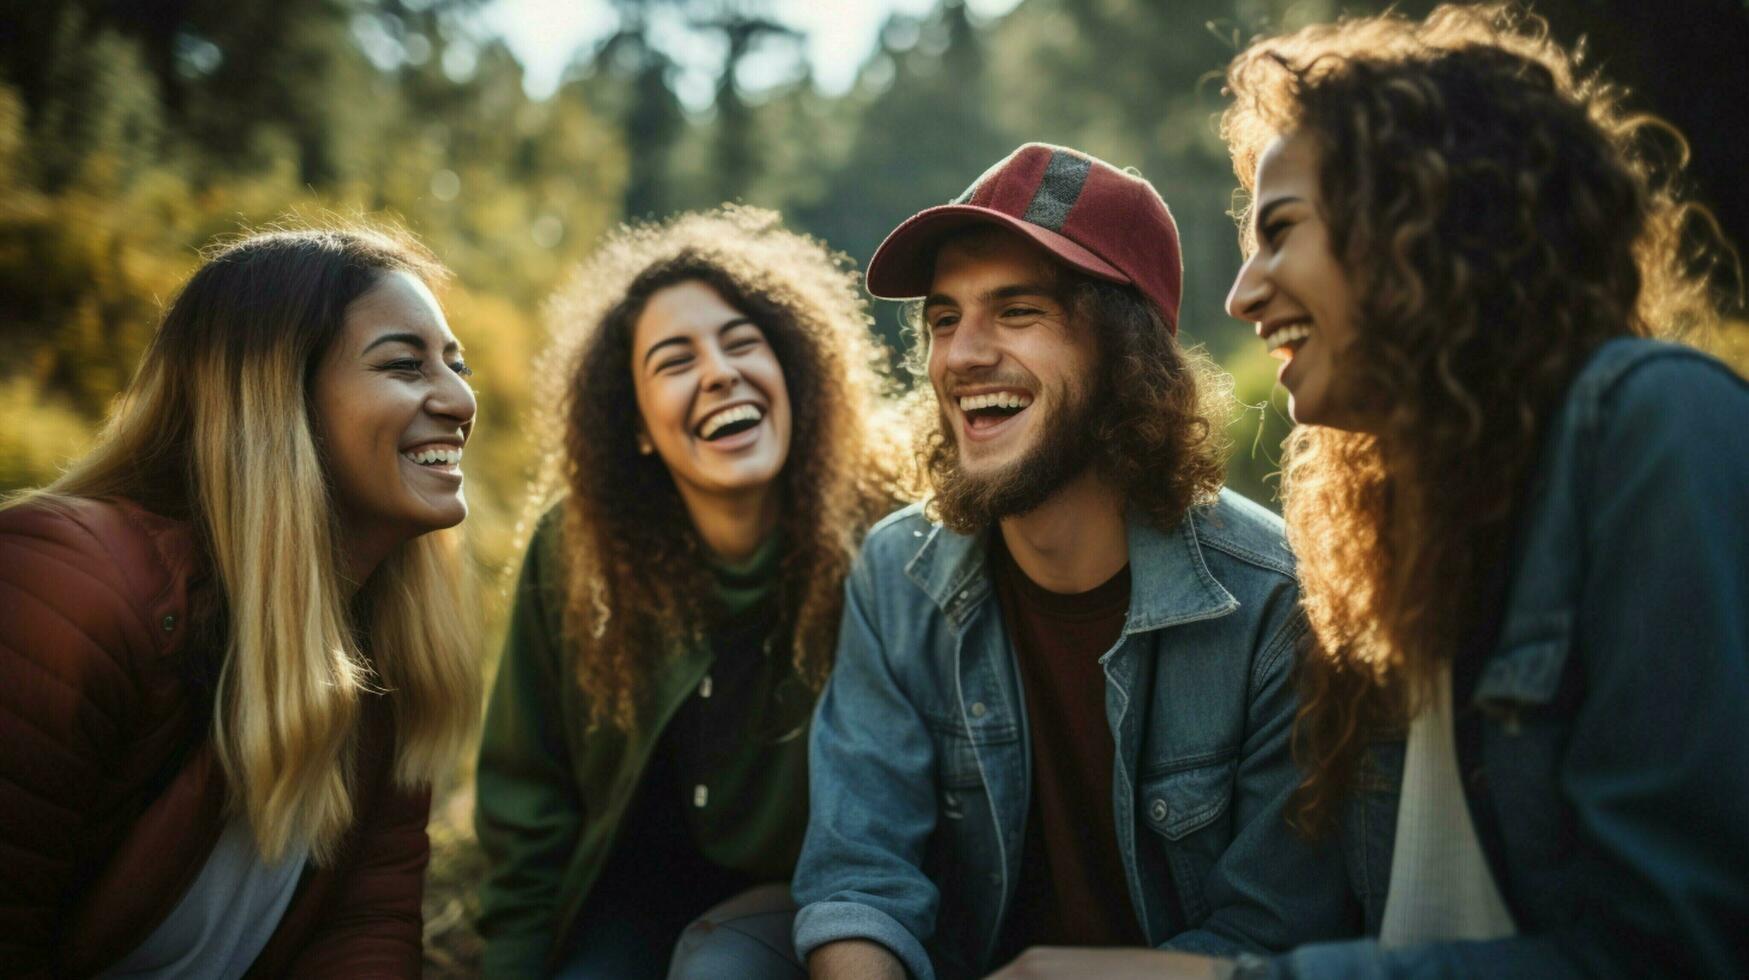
pixel 1072 889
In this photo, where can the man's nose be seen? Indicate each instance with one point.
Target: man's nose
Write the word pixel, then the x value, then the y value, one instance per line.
pixel 972 345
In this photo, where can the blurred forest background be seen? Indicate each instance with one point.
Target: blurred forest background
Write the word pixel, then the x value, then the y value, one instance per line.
pixel 133 132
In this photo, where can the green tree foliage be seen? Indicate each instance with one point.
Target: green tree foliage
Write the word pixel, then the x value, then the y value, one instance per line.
pixel 119 161
pixel 627 81
pixel 925 105
pixel 135 132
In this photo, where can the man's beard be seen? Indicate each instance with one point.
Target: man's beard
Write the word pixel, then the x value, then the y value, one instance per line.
pixel 1062 451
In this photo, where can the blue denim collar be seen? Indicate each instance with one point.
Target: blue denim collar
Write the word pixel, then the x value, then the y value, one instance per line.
pixel 1170 583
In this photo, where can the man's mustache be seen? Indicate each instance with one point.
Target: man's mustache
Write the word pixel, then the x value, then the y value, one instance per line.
pixel 994 376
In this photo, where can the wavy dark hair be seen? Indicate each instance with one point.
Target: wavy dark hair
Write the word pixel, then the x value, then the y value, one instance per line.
pixel 638 579
pixel 1159 410
pixel 1498 216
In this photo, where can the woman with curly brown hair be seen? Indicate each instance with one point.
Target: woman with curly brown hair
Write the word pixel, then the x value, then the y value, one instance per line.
pixel 1522 523
pixel 645 753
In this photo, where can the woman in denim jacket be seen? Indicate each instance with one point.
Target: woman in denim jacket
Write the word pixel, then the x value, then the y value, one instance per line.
pixel 1522 523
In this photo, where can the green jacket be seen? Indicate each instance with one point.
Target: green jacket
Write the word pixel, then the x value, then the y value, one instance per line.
pixel 552 794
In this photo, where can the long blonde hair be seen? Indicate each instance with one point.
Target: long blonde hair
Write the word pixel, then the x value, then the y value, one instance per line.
pixel 216 428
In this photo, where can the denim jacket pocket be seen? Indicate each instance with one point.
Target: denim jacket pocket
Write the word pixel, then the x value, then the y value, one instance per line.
pixel 959 763
pixel 1528 667
pixel 962 855
pixel 1179 803
pixel 1189 810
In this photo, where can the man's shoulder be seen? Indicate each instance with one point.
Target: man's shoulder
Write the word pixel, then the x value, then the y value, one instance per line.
pixel 1242 529
pixel 896 538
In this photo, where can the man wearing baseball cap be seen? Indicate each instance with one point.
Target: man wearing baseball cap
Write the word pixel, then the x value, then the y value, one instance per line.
pixel 1061 706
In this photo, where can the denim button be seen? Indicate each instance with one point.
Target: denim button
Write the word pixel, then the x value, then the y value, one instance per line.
pixel 700 795
pixel 1158 810
pixel 978 709
pixel 169 623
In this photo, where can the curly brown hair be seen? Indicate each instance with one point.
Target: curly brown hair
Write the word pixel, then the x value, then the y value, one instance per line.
pixel 638 579
pixel 1498 216
pixel 1159 411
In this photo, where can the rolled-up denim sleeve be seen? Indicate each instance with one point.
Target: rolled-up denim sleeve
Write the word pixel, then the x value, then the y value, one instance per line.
pixel 1657 766
pixel 871 785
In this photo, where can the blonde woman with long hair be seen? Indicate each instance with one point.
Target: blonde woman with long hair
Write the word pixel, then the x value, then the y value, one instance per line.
pixel 234 636
pixel 718 455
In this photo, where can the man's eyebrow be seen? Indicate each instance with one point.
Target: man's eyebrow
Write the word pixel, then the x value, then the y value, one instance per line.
pixel 1044 290
pixel 1010 291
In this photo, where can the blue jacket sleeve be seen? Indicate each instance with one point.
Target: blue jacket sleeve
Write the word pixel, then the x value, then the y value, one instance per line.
pixel 871 790
pixel 1656 769
pixel 1272 889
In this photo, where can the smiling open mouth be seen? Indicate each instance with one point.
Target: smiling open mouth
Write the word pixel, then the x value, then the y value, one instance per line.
pixel 990 410
pixel 729 421
pixel 435 455
pixel 1285 341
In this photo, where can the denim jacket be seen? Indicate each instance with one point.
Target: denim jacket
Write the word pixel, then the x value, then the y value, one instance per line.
pixel 920 760
pixel 1605 745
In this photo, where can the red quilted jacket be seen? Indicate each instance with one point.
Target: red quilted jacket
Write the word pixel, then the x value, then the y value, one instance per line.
pixel 110 796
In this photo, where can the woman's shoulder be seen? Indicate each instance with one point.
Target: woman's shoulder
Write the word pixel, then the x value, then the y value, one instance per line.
pixel 1662 425
pixel 93 575
pixel 1637 373
pixel 1635 395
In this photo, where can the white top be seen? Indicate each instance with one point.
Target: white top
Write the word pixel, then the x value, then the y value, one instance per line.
pixel 225 918
pixel 1441 888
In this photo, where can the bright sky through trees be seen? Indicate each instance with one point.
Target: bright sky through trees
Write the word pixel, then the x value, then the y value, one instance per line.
pixel 838 36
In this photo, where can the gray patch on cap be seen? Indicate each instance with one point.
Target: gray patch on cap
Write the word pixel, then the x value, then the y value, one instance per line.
pixel 1058 191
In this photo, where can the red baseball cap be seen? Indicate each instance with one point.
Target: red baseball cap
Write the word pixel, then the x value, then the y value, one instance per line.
pixel 1094 217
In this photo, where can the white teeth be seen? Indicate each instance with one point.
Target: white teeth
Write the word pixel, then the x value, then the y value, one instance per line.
pixel 997 399
pixel 1283 336
pixel 428 456
pixel 737 413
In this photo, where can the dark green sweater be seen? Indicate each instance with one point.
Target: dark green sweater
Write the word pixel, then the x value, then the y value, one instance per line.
pixel 552 794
